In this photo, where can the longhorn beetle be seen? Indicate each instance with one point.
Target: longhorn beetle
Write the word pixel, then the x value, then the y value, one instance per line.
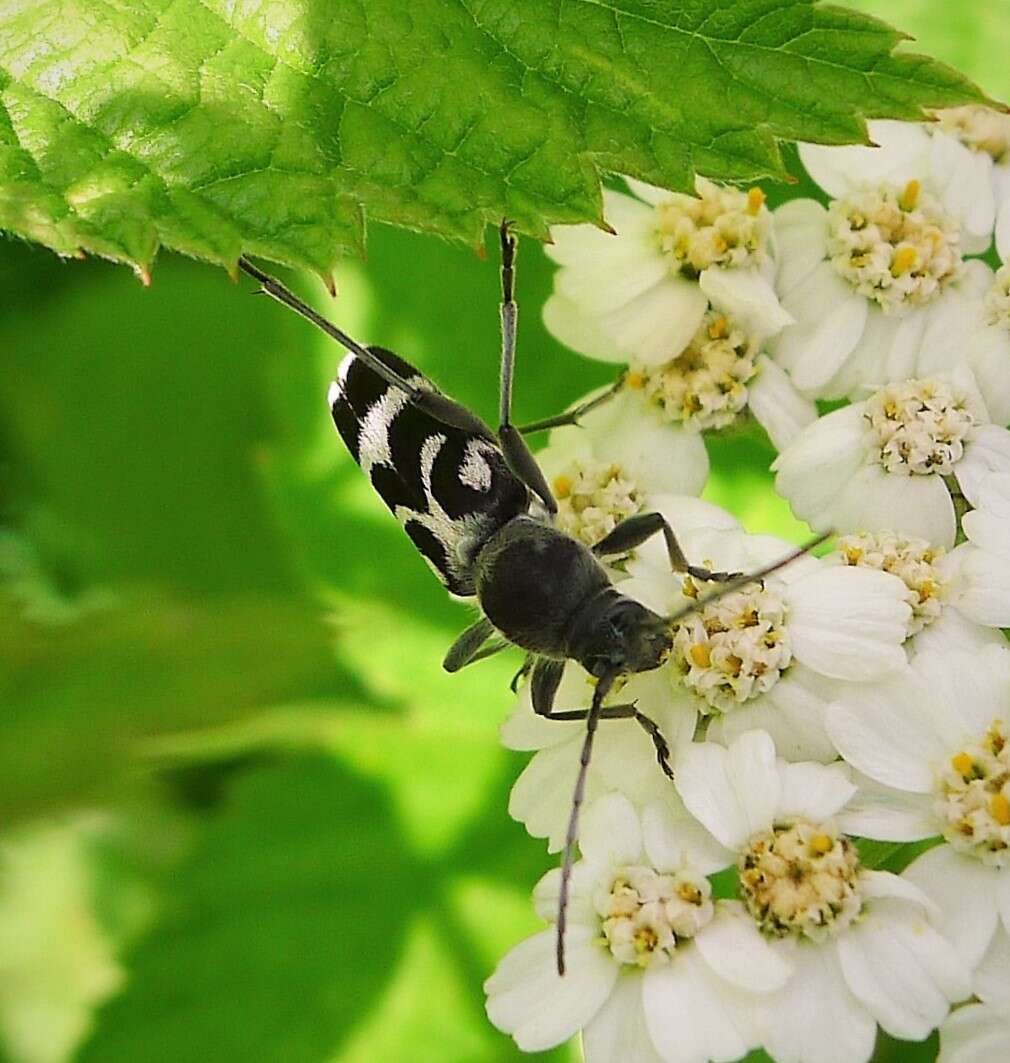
pixel 477 507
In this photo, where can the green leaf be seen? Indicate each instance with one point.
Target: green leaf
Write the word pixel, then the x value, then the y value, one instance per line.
pixel 79 702
pixel 892 856
pixel 304 927
pixel 272 128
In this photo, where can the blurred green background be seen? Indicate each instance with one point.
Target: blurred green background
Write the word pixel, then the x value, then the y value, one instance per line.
pixel 244 815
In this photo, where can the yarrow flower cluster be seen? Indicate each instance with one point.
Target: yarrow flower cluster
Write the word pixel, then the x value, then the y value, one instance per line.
pixel 842 701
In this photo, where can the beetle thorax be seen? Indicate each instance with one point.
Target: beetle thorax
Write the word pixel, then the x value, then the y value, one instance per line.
pixel 533 580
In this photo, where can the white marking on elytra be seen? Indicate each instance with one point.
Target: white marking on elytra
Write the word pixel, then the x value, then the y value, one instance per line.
pixel 475 472
pixel 343 369
pixel 373 435
pixel 335 394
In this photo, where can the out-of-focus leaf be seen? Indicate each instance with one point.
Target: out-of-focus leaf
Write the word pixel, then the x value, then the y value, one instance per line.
pixel 215 128
pixel 76 701
pixel 140 420
pixel 976 41
pixel 304 926
pixel 284 923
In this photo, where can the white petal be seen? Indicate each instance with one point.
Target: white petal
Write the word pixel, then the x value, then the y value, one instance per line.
pixel 611 833
pixel 674 839
pixel 987 451
pixel 585 880
pixel 734 948
pixel 953 631
pixel 1003 898
pixel 651 194
pixel 792 712
pixel 882 885
pixel 686 513
pixel 849 628
pixel 576 245
pixel 1003 230
pixel 987 525
pixel 529 1000
pixel 901 153
pixel 963 889
pixel 542 795
pixel 975 1034
pixel 814 791
pixel 881 812
pixel 572 326
pixel 747 298
pixel 984 584
pixel 966 691
pixel 821 460
pixel 965 177
pixel 660 323
pixel 815 1019
pixel 734 792
pixel 894 732
pixel 959 311
pixel 780 409
pixel 902 970
pixel 800 227
pixel 874 500
pixel 987 353
pixel 525 730
pixel 830 318
pixel 605 283
pixel 690 1013
pixel 619 1030
pixel 992 977
pixel 660 457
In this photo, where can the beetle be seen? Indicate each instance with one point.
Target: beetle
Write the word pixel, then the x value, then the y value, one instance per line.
pixel 478 509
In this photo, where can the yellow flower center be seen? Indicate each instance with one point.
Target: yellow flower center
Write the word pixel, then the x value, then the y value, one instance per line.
pixel 734 649
pixel 979 128
pixel 973 798
pixel 912 560
pixel 801 880
pixel 593 498
pixel 706 384
pixel 645 914
pixel 721 226
pixel 896 246
pixel 918 427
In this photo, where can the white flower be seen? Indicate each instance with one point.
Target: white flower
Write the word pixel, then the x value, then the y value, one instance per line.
pixel 971 327
pixel 986 525
pixel 647 288
pixel 864 277
pixel 655 968
pixel 981 1032
pixel 719 375
pixel 622 460
pixel 938 735
pixel 624 758
pixel 880 464
pixel 959 599
pixel 912 151
pixel 859 942
pixel 770 655
pixel 984 134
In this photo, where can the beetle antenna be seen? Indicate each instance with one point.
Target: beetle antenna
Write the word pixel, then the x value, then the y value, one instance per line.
pixel 750 577
pixel 276 290
pixel 592 719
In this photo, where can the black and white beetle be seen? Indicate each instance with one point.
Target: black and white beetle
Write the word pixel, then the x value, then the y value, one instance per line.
pixel 477 507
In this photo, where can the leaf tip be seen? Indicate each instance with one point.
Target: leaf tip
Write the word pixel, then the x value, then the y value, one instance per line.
pixel 606 227
pixel 143 275
pixel 329 284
